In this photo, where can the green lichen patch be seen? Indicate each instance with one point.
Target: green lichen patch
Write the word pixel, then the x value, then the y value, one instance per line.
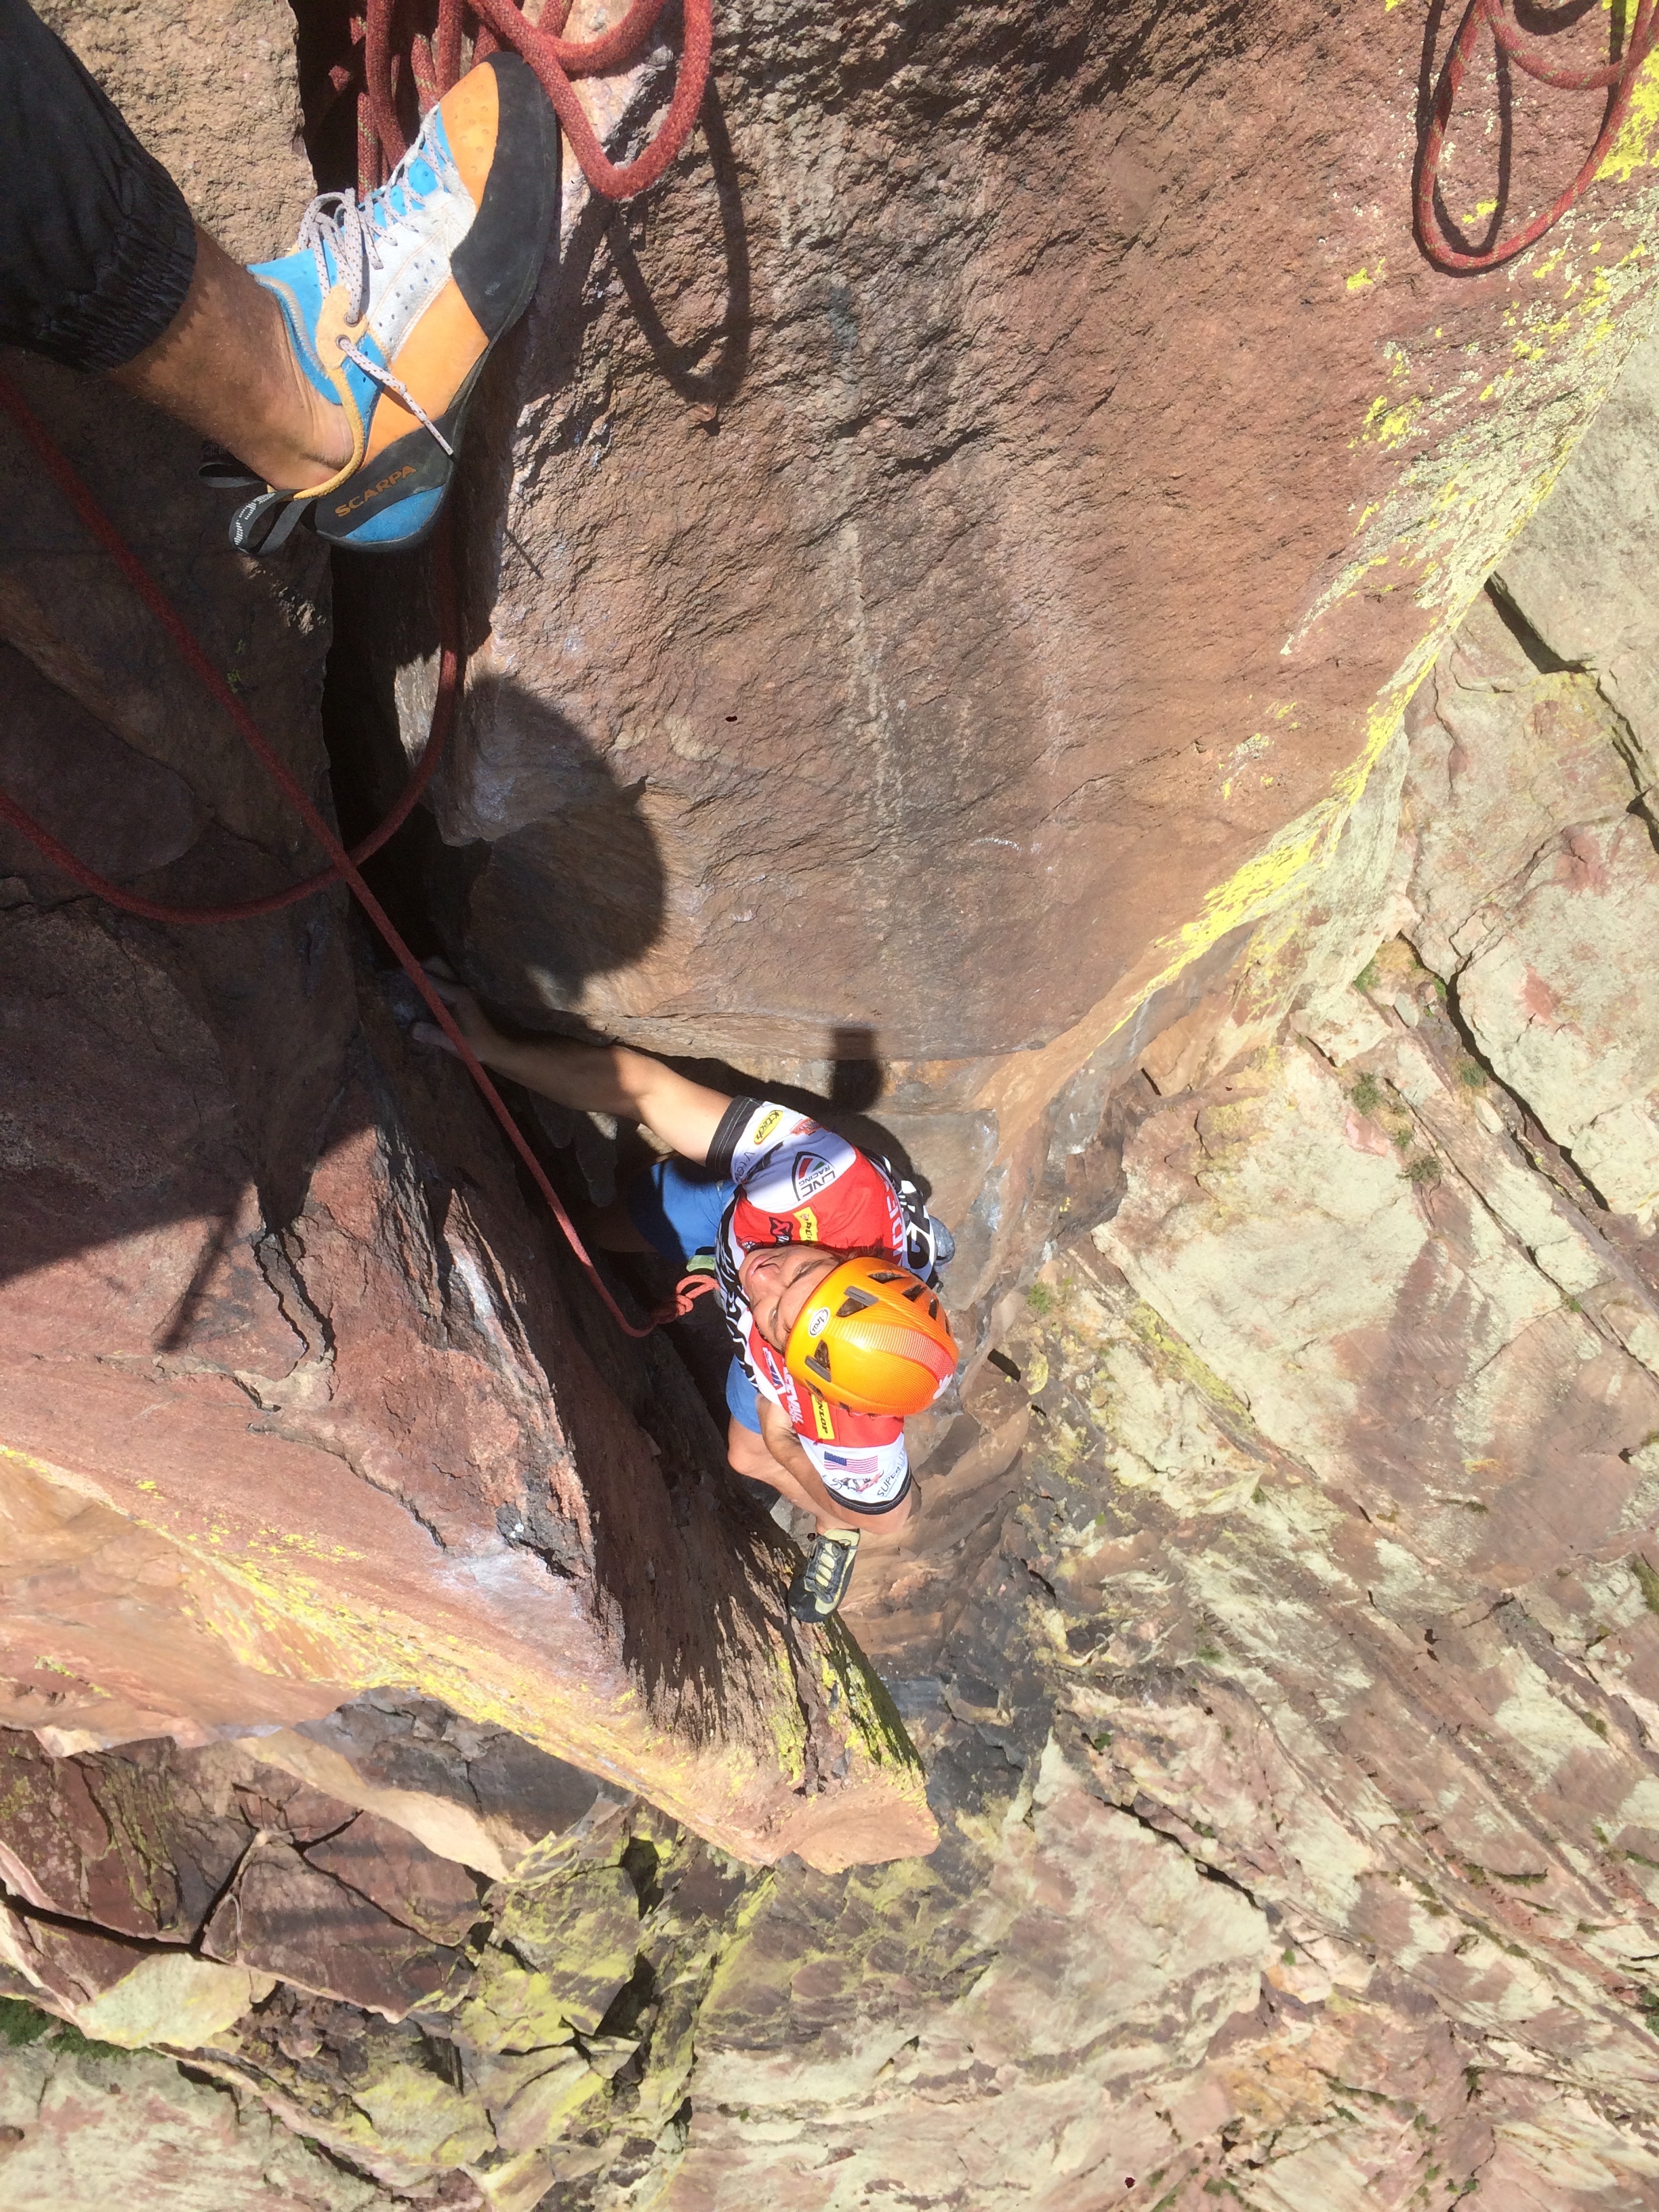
pixel 580 1934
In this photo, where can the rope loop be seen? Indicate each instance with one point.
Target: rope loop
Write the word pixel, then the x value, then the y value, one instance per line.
pixel 1617 78
pixel 434 62
pixel 343 867
pixel 687 1291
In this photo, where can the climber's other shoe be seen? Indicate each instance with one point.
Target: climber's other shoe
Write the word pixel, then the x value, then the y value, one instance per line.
pixel 821 1578
pixel 392 306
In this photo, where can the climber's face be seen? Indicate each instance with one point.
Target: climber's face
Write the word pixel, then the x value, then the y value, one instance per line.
pixel 777 1280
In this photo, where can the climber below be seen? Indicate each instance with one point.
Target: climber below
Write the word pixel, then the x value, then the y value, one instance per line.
pixel 332 382
pixel 826 1267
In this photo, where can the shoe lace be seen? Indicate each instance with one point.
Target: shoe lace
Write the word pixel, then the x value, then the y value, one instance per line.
pixel 353 231
pixel 826 1562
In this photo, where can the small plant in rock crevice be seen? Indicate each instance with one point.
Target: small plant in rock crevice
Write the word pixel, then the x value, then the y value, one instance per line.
pixel 22 2023
pixel 1367 1093
pixel 1425 1170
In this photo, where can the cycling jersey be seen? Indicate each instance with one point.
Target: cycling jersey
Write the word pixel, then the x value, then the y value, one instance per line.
pixel 798 1183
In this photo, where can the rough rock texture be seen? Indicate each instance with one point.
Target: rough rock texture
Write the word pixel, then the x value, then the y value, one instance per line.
pixel 917 385
pixel 293 1402
pixel 951 556
pixel 1278 1631
pixel 1276 1635
pixel 92 2126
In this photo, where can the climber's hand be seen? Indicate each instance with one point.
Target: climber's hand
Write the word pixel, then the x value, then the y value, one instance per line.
pixel 470 1019
pixel 594 1079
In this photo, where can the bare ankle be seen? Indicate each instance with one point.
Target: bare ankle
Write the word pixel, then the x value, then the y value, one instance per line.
pixel 313 441
pixel 331 433
pixel 226 366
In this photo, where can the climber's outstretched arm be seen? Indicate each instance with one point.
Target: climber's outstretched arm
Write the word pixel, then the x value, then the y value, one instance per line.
pixel 594 1079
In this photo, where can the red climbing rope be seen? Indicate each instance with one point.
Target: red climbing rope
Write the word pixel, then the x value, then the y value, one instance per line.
pixel 687 1291
pixel 1617 78
pixel 433 65
pixel 98 525
pixel 343 865
pixel 379 68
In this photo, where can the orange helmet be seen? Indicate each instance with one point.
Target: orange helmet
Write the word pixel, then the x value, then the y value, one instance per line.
pixel 873 1338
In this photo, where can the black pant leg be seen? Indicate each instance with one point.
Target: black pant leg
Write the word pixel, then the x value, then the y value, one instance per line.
pixel 97 247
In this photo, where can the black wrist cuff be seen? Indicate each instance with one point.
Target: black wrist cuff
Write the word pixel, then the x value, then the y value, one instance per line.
pixel 732 1123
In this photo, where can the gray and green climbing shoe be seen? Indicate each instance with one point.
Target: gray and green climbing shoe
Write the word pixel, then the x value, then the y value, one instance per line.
pixel 823 1576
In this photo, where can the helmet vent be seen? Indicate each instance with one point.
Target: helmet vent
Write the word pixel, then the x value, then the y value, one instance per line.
pixel 911 1344
pixel 818 1361
pixel 854 1302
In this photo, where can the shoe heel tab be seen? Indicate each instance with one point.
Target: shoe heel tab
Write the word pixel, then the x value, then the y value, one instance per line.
pixel 264 525
pixel 221 470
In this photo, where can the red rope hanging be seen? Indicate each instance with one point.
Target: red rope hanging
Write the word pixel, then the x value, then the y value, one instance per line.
pixel 433 65
pixel 1617 78
pixel 98 525
pixel 343 865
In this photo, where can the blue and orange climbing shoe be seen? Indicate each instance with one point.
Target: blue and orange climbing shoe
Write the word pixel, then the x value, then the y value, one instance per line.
pixel 822 1577
pixel 392 306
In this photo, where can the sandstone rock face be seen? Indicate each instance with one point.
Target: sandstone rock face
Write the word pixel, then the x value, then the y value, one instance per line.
pixel 953 554
pixel 400 1730
pixel 1576 575
pixel 76 2129
pixel 1537 886
pixel 292 1402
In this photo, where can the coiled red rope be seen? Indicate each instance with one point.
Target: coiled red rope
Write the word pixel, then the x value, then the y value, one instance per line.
pixel 433 63
pixel 343 865
pixel 1618 78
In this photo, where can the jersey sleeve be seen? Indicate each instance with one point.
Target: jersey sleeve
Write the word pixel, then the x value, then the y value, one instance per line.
pixel 867 1474
pixel 732 1123
pixel 751 1130
pixel 802 1184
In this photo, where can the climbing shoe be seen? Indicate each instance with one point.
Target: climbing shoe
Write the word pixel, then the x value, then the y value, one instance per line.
pixel 392 305
pixel 821 1578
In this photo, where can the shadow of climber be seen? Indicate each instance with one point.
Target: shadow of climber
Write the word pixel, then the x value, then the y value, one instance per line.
pixel 564 883
pixel 575 893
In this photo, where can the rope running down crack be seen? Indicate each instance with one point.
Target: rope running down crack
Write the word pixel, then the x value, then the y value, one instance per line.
pixel 434 65
pixel 343 867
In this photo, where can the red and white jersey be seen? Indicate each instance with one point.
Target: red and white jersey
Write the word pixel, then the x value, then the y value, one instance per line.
pixel 798 1183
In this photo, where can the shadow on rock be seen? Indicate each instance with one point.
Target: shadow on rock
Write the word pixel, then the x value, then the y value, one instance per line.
pixel 576 891
pixel 710 366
